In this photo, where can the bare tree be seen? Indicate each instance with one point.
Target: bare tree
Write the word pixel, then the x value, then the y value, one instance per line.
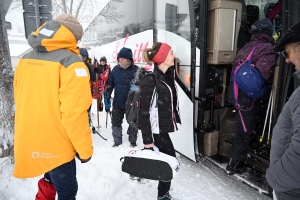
pixel 83 10
pixel 6 92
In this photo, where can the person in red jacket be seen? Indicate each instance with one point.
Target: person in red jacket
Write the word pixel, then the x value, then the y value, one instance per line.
pixel 102 71
pixel 276 9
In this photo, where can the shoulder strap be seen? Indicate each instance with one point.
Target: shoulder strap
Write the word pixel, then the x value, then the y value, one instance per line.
pixel 155 89
pixel 251 53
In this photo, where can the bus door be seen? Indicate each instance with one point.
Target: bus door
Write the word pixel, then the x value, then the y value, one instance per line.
pixel 174 24
pixel 217 25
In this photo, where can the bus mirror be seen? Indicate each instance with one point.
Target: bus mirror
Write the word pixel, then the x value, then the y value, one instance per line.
pixel 177 66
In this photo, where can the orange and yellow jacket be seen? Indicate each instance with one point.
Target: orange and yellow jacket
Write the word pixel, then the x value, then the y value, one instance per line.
pixel 52 96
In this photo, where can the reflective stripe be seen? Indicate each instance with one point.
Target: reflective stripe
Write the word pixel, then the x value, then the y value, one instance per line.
pixel 63 56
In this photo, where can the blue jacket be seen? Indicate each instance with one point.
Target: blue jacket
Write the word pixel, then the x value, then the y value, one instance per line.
pixel 119 79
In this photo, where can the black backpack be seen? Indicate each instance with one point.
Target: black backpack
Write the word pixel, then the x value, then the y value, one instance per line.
pixel 133 100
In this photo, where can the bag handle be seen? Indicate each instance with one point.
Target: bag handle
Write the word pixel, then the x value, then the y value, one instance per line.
pixel 122 159
pixel 148 149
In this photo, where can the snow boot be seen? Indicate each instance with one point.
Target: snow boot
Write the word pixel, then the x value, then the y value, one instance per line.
pixel 167 196
pixel 132 134
pixel 234 167
pixel 115 145
pixel 46 189
pixel 133 144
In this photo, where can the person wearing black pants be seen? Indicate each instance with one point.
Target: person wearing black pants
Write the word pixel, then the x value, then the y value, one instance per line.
pixel 164 143
pixel 264 60
pixel 159 107
pixel 252 113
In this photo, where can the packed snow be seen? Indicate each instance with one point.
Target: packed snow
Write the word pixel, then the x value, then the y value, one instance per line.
pixel 102 177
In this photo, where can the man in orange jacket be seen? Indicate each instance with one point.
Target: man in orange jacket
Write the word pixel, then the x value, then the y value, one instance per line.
pixel 52 95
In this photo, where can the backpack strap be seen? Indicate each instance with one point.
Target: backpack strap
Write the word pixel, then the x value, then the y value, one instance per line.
pixel 251 53
pixel 155 93
pixel 236 89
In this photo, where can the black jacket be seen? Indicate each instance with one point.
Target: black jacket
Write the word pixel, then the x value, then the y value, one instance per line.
pixel 91 70
pixel 167 103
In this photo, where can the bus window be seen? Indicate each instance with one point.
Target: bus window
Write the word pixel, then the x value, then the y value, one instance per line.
pixel 172 22
pixel 119 20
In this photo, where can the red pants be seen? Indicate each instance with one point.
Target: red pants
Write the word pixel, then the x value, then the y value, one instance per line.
pixel 46 191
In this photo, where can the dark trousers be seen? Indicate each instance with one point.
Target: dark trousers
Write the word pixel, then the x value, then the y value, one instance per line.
pixel 252 118
pixel 164 143
pixel 117 120
pixel 64 180
pixel 289 195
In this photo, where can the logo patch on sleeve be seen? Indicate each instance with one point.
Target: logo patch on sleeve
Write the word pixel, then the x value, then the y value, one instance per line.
pixel 46 32
pixel 80 72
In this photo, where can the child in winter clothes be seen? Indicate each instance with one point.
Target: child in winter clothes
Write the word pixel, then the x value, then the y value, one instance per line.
pixel 156 128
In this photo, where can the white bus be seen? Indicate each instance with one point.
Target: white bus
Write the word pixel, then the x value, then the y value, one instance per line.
pixel 205 36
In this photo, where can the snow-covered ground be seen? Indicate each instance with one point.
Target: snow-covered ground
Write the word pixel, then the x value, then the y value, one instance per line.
pixel 101 178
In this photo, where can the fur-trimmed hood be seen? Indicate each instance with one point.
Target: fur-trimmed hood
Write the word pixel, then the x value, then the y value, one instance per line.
pixel 139 74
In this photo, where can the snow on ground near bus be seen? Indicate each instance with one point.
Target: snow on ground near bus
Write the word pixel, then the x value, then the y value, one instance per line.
pixel 102 178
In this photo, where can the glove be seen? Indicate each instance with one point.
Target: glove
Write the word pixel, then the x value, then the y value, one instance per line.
pixel 82 160
pixel 107 104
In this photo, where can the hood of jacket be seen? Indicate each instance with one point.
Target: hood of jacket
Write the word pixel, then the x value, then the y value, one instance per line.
pixel 52 36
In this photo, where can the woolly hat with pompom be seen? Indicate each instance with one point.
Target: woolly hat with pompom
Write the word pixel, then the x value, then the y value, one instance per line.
pixel 72 24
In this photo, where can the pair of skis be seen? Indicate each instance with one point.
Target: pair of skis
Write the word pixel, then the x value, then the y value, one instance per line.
pixel 269 110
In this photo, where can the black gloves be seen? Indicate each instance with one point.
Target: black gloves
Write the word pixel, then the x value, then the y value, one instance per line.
pixel 82 160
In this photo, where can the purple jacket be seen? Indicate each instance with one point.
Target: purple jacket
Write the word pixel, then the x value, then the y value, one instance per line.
pixel 264 57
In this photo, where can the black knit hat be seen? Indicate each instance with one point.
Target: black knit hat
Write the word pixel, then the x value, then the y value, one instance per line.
pixel 262 26
pixel 125 53
pixel 290 36
pixel 103 58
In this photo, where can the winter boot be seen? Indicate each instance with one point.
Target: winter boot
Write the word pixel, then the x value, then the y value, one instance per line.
pixel 167 196
pixel 233 167
pixel 133 144
pixel 46 189
pixel 132 135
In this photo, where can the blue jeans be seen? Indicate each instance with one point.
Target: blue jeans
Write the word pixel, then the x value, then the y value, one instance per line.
pixel 64 180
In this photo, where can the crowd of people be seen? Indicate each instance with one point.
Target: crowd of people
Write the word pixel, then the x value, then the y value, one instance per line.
pixel 54 87
pixel 53 117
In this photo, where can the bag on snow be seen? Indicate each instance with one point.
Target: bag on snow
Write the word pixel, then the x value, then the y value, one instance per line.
pixel 150 164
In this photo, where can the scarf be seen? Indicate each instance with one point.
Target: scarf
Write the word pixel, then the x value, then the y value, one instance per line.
pixel 125 65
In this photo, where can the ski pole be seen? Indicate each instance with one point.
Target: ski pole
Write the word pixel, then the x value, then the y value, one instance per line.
pixel 94 131
pixel 266 119
pixel 98 113
pixel 106 118
pixel 271 112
